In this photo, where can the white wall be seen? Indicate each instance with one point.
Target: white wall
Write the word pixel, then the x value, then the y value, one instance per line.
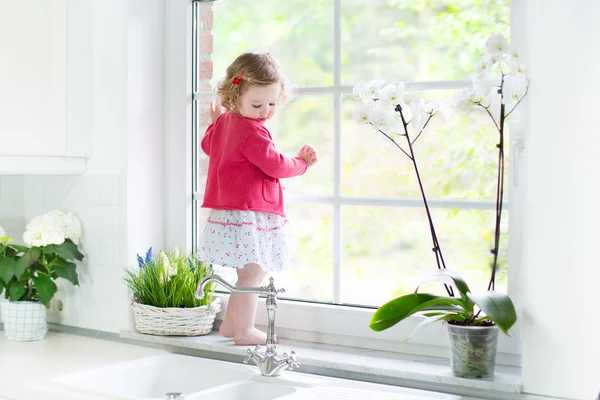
pixel 560 272
pixel 120 199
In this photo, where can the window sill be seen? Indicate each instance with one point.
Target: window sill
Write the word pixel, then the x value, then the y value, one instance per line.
pixel 421 372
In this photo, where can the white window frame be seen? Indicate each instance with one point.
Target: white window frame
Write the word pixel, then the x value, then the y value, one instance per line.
pixel 316 322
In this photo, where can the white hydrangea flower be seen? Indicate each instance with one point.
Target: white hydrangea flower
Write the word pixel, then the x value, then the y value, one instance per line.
pixel 52 227
pixel 43 235
pixel 496 45
pixel 2 232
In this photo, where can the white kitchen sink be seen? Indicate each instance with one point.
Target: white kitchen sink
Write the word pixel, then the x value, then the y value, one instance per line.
pixel 153 377
pixel 248 390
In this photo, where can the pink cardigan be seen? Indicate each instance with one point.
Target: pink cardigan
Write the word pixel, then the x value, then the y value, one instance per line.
pixel 244 168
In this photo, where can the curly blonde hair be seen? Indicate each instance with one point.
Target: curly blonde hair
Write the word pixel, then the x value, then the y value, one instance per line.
pixel 255 69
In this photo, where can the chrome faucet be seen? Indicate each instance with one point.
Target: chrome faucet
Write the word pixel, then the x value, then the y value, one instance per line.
pixel 269 363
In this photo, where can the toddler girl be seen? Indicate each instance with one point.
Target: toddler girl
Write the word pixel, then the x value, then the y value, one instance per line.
pixel 247 228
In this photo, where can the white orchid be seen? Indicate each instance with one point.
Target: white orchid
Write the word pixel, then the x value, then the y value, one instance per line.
pixel 515 87
pixel 416 110
pixel 482 86
pixel 429 108
pixel 514 58
pixel 383 119
pixel 359 91
pixel 361 112
pixel 461 100
pixel 392 94
pixel 519 69
pixel 445 110
pixel 488 99
pixel 496 45
pixel 484 67
pixel 373 89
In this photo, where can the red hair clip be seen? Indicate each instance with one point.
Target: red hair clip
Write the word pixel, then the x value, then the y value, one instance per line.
pixel 238 79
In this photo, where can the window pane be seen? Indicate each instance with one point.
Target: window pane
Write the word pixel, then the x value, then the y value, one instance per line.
pixel 387 251
pixel 311 278
pixel 297 32
pixel 417 40
pixel 457 158
pixel 308 120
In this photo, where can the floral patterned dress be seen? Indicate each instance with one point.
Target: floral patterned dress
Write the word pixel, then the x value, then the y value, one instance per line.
pixel 234 238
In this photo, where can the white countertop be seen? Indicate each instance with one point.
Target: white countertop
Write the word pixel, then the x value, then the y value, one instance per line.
pixel 27 367
pixel 421 372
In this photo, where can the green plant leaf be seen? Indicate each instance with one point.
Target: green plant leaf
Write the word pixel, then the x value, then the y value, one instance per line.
pixel 449 278
pixel 46 288
pixel 68 250
pixel 67 270
pixel 398 309
pixel 440 304
pixel 27 260
pixel 19 248
pixel 434 317
pixel 498 307
pixel 16 291
pixel 7 269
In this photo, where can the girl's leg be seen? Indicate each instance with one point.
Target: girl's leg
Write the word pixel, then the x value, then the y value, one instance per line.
pixel 242 309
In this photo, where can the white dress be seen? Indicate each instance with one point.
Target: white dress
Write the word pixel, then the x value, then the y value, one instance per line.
pixel 233 238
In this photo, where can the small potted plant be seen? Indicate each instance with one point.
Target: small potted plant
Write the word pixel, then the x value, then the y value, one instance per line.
pixel 163 289
pixel 473 320
pixel 28 273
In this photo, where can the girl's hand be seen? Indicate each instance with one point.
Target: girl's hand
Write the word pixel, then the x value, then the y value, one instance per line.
pixel 215 110
pixel 309 154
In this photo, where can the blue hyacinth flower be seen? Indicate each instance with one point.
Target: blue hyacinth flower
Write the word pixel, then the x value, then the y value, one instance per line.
pixel 149 255
pixel 140 261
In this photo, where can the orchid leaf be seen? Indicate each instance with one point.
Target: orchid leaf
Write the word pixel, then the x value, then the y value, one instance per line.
pixel 498 307
pixel 398 309
pixel 447 277
pixel 432 319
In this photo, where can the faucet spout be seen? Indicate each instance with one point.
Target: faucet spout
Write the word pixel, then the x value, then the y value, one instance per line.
pixel 269 363
pixel 216 278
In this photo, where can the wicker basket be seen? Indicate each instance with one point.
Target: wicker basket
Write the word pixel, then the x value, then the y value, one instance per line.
pixel 175 321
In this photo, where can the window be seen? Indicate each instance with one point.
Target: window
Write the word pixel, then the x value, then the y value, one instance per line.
pixel 359 220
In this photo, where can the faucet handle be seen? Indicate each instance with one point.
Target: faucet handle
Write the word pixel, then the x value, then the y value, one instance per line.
pixel 272 289
pixel 251 353
pixel 292 360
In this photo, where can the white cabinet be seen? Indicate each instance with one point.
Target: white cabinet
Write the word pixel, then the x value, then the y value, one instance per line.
pixel 45 84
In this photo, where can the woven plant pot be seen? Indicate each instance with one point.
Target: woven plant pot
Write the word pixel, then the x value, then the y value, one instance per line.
pixel 175 321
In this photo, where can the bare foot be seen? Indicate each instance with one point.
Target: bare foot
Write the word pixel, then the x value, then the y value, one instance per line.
pixel 253 336
pixel 226 329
